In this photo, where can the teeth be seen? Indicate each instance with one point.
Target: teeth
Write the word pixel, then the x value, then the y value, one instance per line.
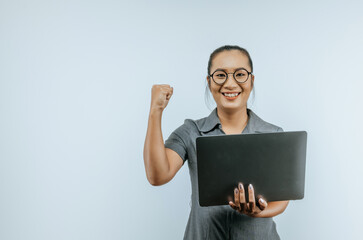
pixel 230 95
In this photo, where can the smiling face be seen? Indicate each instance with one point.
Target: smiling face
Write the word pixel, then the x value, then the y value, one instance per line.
pixel 229 61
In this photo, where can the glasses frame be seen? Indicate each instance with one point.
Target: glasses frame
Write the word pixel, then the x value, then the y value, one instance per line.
pixel 249 73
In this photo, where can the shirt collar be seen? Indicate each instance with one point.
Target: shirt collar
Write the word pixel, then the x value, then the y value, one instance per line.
pixel 212 120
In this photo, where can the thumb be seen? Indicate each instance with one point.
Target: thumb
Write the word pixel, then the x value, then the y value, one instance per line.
pixel 263 203
pixel 168 96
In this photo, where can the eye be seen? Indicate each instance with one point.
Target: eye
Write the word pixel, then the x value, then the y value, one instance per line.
pixel 240 74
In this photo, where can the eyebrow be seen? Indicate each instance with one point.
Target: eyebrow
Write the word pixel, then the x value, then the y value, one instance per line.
pixel 232 69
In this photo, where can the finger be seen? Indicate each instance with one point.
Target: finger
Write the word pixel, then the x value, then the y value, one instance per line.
pixel 236 199
pixel 170 93
pixel 263 204
pixel 167 94
pixel 247 208
pixel 165 87
pixel 233 205
pixel 242 198
pixel 251 198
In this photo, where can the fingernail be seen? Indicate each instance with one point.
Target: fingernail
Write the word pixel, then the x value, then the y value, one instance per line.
pixel 250 186
pixel 236 190
pixel 240 185
pixel 262 201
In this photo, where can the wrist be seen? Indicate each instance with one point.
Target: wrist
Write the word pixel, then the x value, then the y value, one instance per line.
pixel 258 215
pixel 156 111
pixel 263 213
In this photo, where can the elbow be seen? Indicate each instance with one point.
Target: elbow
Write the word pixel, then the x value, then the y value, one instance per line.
pixel 152 181
pixel 157 178
pixel 278 207
pixel 156 182
pixel 284 207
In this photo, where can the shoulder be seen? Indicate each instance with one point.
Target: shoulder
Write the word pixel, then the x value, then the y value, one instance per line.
pixel 186 128
pixel 199 123
pixel 193 125
pixel 190 126
pixel 261 125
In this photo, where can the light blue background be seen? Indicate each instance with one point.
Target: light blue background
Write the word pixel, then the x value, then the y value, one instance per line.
pixel 75 89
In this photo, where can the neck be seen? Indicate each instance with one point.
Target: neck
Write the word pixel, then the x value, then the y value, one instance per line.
pixel 235 119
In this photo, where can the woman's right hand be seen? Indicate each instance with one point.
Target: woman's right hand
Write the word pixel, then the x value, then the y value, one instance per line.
pixel 160 95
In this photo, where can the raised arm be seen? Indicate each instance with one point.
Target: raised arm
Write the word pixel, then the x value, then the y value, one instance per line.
pixel 161 163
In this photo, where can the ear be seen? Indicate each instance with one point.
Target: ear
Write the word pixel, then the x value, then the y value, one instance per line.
pixel 253 80
pixel 208 81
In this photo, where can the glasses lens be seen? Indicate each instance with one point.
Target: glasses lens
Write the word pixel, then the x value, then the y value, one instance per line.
pixel 241 75
pixel 219 76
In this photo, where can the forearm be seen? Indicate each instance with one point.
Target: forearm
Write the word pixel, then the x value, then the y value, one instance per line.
pixel 155 159
pixel 273 209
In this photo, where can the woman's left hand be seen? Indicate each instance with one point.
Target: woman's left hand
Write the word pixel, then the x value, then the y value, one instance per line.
pixel 247 206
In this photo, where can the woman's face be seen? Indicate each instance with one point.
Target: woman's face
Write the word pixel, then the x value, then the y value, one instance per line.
pixel 229 61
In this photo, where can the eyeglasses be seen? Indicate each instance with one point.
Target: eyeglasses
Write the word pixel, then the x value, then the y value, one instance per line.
pixel 220 76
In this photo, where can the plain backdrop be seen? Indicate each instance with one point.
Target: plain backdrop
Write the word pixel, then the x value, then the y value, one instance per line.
pixel 75 90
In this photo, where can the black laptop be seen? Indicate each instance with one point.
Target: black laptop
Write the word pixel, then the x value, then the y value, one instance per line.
pixel 273 162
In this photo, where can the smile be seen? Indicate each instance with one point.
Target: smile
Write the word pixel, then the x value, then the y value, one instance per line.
pixel 231 96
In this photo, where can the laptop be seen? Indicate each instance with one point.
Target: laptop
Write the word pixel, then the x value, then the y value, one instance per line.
pixel 274 163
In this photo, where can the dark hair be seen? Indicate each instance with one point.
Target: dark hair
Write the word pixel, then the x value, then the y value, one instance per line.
pixel 229 48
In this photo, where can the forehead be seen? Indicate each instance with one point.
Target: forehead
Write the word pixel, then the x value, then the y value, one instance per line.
pixel 230 60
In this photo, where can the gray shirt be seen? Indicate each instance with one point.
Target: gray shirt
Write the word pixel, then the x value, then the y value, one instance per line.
pixel 218 222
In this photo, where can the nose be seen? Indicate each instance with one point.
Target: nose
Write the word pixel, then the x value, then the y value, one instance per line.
pixel 230 82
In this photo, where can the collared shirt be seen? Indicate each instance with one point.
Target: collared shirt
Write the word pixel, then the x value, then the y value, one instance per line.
pixel 218 222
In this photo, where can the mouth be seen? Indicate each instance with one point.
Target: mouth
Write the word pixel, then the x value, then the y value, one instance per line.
pixel 231 95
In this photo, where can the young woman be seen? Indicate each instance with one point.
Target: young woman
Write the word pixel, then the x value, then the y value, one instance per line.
pixel 230 80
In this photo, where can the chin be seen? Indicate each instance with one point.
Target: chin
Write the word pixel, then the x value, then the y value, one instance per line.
pixel 231 106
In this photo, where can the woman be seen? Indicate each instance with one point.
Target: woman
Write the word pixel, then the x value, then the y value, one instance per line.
pixel 230 81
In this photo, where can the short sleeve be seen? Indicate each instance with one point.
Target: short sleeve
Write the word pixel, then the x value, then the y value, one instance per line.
pixel 177 141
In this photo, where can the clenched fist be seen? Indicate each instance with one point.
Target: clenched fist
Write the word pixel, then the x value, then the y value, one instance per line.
pixel 160 95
